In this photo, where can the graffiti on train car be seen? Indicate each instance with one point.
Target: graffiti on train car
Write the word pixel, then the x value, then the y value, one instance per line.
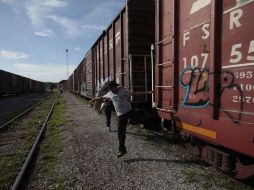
pixel 195 82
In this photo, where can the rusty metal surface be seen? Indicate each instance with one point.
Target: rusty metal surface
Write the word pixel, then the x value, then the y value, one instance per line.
pixel 15 84
pixel 89 86
pixel 127 41
pixel 111 50
pixel 165 58
pixel 75 81
pixel 106 57
pixel 215 64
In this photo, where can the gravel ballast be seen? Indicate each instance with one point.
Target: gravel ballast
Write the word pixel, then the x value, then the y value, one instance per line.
pixel 152 162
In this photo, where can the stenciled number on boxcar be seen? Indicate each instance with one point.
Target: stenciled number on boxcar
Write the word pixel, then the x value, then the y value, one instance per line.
pixel 194 77
pixel 237 55
pixel 195 60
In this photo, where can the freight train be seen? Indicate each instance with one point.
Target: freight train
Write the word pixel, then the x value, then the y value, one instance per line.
pixel 200 69
pixel 15 84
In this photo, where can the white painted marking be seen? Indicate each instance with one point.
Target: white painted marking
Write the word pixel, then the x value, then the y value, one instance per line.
pixel 236 111
pixel 198 5
pixel 195 26
pixel 238 65
pixel 237 6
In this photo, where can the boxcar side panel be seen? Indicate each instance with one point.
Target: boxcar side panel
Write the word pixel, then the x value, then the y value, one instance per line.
pixel 118 49
pixel 106 56
pixel 165 58
pixel 90 71
pixel 111 49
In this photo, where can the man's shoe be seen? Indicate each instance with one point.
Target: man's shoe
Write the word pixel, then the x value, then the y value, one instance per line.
pixel 121 153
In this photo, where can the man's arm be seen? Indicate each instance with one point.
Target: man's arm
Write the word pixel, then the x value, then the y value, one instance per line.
pixel 96 98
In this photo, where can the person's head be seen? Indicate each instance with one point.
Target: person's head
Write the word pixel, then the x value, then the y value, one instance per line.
pixel 113 86
pixel 105 85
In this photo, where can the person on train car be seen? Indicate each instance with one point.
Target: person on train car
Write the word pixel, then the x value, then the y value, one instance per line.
pixel 106 106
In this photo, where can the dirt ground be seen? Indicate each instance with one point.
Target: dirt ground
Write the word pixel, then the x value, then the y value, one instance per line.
pixel 152 162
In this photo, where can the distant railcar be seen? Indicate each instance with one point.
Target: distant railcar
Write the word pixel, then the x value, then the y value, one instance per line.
pixel 205 78
pixel 122 52
pixel 15 84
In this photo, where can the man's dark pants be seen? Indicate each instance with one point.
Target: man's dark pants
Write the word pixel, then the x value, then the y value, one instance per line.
pixel 122 123
pixel 108 111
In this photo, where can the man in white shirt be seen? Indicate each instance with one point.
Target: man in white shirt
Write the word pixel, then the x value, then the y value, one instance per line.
pixel 120 97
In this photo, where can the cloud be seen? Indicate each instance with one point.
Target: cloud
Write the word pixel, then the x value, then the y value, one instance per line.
pixel 43 72
pixel 37 11
pixel 53 3
pixel 70 26
pixel 77 48
pixel 13 55
pixel 93 27
pixel 44 33
pixel 41 12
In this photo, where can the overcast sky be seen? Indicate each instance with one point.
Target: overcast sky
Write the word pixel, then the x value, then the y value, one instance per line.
pixel 34 34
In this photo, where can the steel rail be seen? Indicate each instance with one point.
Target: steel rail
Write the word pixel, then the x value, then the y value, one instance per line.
pixel 22 172
pixel 23 113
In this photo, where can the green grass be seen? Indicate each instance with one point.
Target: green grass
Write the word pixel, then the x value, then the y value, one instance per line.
pixel 50 148
pixel 26 130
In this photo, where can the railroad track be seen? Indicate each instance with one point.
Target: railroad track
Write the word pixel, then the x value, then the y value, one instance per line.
pixel 22 114
pixel 19 142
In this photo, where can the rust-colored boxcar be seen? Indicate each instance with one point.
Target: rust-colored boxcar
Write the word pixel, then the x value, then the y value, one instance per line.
pixel 15 84
pixel 81 71
pixel 75 81
pixel 70 83
pixel 205 77
pixel 89 90
pixel 122 52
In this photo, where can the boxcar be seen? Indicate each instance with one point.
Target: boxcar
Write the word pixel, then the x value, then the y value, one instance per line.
pixel 15 84
pixel 122 52
pixel 75 81
pixel 82 77
pixel 70 83
pixel 89 90
pixel 205 77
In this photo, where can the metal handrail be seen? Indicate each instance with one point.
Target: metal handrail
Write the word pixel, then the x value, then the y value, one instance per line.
pixel 152 65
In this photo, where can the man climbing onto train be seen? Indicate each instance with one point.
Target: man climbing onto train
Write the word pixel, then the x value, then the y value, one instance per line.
pixel 121 98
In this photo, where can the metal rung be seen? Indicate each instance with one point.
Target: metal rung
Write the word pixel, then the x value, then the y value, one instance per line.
pixel 165 63
pixel 164 87
pixel 169 38
pixel 138 86
pixel 169 111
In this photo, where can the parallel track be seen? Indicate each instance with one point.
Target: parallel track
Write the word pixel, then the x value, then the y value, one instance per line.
pixel 28 160
pixel 22 114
